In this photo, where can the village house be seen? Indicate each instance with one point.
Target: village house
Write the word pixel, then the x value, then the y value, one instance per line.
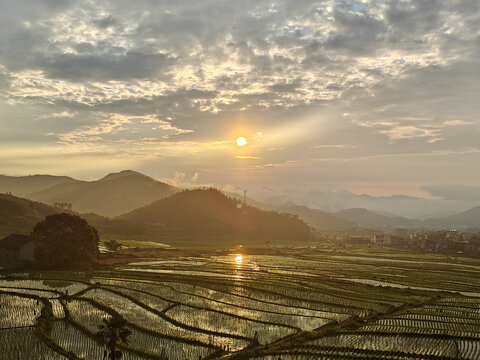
pixel 380 239
pixel 399 242
pixel 17 247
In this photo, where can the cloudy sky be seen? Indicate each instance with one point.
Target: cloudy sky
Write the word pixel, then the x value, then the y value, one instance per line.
pixel 378 97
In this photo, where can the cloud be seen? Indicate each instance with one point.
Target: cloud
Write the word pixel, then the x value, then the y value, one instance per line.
pixel 411 132
pixel 454 191
pixel 246 157
pixel 5 78
pixel 337 146
pixel 126 64
pixel 167 80
pixel 181 179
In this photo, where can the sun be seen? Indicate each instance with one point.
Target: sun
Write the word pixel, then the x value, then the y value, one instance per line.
pixel 241 141
pixel 239 259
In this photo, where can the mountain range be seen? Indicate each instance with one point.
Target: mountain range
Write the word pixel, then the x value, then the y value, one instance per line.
pixel 317 218
pixel 114 203
pixel 190 217
pixel 369 219
pixel 335 200
pixel 465 219
pixel 115 194
pixel 24 185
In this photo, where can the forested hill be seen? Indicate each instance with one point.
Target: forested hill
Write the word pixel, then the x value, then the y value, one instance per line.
pixel 191 217
pixel 210 213
pixel 19 215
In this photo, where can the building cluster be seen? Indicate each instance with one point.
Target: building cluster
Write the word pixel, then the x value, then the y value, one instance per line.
pixel 444 242
pixel 447 242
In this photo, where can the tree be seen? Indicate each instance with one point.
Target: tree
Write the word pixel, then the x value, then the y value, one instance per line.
pixel 111 332
pixel 65 241
pixel 112 245
pixel 63 206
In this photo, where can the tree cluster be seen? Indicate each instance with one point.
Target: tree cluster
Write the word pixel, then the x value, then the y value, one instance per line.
pixel 63 206
pixel 65 241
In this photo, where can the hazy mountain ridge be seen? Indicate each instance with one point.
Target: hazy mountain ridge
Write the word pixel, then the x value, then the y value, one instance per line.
pixel 346 219
pixel 125 191
pixel 317 218
pixel 335 200
pixel 113 195
pixel 369 219
pixel 465 219
pixel 23 185
pixel 51 189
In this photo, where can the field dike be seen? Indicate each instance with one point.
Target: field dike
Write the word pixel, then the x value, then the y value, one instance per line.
pixel 349 325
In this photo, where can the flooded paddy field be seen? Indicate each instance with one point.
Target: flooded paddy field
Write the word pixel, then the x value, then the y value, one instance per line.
pixel 300 304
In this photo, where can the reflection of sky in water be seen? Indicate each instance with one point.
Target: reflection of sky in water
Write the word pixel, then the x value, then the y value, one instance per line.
pixel 236 265
pixel 239 267
pixel 180 272
pixel 181 262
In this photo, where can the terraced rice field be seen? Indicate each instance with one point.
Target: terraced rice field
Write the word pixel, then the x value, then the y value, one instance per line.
pixel 300 305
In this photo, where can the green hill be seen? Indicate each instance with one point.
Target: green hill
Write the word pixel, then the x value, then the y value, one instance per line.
pixel 192 218
pixel 19 215
pixel 209 215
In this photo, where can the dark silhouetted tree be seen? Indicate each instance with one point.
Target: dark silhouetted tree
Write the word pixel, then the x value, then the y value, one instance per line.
pixel 65 241
pixel 111 332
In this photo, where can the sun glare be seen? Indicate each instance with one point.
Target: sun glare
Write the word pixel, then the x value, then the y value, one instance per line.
pixel 239 259
pixel 241 141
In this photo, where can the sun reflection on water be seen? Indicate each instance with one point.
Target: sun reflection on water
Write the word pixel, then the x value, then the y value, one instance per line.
pixel 239 259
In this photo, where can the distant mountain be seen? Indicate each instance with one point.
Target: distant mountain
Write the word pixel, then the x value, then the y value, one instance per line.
pixel 19 215
pixel 335 200
pixel 22 185
pixel 341 220
pixel 369 219
pixel 121 174
pixel 317 218
pixel 113 195
pixel 200 216
pixel 466 219
pixel 208 214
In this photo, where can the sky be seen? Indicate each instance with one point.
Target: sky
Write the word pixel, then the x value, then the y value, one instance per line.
pixel 376 97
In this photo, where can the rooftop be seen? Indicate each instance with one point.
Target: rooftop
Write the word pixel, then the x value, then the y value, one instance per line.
pixel 15 241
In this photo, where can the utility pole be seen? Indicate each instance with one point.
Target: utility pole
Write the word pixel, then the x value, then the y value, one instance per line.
pixel 244 197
